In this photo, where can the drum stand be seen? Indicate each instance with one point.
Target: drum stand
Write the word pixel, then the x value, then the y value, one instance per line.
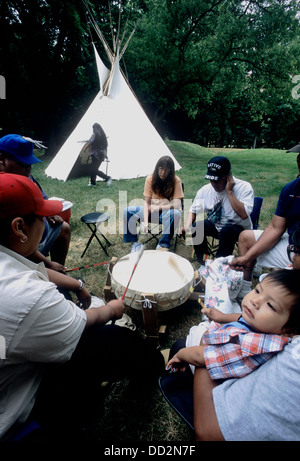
pixel 149 310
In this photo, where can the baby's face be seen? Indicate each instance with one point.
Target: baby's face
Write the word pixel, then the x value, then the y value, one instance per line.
pixel 267 307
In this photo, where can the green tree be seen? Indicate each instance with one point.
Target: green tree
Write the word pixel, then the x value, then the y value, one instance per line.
pixel 43 56
pixel 47 59
pixel 214 72
pixel 199 58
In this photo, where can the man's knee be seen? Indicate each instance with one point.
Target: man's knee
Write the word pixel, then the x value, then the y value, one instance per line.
pixel 246 241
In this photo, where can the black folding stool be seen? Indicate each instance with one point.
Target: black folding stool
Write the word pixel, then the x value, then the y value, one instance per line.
pixel 93 221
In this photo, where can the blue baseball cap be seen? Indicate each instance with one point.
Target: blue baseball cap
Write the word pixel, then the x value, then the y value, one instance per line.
pixel 19 147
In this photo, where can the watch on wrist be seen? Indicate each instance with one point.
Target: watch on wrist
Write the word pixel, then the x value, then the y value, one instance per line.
pixel 81 285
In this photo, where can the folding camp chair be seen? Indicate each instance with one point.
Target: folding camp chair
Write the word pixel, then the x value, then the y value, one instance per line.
pixel 155 229
pixel 213 245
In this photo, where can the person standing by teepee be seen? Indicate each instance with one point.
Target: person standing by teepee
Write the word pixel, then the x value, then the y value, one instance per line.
pixel 97 146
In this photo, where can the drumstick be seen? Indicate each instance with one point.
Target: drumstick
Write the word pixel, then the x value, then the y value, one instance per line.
pixel 179 271
pixel 134 268
pixel 177 268
pixel 95 265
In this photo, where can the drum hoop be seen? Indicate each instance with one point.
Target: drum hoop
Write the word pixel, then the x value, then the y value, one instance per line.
pixel 136 299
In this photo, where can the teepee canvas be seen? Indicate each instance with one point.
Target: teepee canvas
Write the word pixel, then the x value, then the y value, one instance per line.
pixel 134 145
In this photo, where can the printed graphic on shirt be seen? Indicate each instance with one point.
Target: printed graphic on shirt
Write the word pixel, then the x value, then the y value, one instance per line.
pixel 217 215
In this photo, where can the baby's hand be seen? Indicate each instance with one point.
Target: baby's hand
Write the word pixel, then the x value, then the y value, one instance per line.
pixel 175 364
pixel 213 314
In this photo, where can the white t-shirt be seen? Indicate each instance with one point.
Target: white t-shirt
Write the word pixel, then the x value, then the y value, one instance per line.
pixel 37 325
pixel 218 206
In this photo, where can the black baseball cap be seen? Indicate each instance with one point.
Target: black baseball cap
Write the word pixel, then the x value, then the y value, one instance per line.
pixel 217 167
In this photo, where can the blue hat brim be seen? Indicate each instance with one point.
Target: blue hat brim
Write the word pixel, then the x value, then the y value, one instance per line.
pixel 30 160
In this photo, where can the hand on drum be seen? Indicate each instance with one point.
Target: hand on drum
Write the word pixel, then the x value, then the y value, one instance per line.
pixel 117 307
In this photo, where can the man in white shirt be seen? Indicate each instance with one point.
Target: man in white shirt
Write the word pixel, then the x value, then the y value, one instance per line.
pixel 227 202
pixel 39 326
pixel 53 354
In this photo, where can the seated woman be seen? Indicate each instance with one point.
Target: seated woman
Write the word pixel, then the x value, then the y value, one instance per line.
pixel 163 193
pixel 54 355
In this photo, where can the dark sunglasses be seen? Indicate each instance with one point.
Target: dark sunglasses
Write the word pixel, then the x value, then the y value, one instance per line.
pixel 292 251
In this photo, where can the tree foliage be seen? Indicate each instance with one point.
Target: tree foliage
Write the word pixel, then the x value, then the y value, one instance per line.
pixel 43 56
pixel 216 63
pixel 215 72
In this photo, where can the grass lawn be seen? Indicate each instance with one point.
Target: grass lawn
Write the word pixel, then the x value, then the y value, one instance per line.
pixel 268 170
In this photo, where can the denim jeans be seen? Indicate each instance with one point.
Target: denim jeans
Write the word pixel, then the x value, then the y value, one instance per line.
pixel 169 219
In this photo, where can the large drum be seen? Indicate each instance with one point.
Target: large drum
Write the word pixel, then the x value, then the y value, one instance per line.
pixel 165 276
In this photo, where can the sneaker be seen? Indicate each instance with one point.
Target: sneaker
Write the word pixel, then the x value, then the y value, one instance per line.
pixel 136 246
pixel 108 182
pixel 161 248
pixel 91 184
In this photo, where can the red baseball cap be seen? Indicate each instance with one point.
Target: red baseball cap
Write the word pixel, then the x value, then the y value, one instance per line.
pixel 20 196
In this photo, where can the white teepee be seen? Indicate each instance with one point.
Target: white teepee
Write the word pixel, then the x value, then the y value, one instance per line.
pixel 134 145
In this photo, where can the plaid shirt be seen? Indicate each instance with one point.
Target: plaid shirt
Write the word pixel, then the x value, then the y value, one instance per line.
pixel 234 350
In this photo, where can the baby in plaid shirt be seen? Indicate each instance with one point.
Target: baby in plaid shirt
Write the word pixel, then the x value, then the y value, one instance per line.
pixel 270 318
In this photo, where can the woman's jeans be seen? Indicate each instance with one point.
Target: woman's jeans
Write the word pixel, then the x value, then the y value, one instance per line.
pixel 170 220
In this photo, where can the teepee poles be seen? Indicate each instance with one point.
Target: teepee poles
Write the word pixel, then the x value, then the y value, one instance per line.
pixel 110 54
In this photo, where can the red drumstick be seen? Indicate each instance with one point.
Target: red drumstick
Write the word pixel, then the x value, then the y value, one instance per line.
pixel 96 264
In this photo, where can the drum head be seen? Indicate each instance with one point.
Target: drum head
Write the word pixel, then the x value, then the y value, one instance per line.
pixel 166 276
